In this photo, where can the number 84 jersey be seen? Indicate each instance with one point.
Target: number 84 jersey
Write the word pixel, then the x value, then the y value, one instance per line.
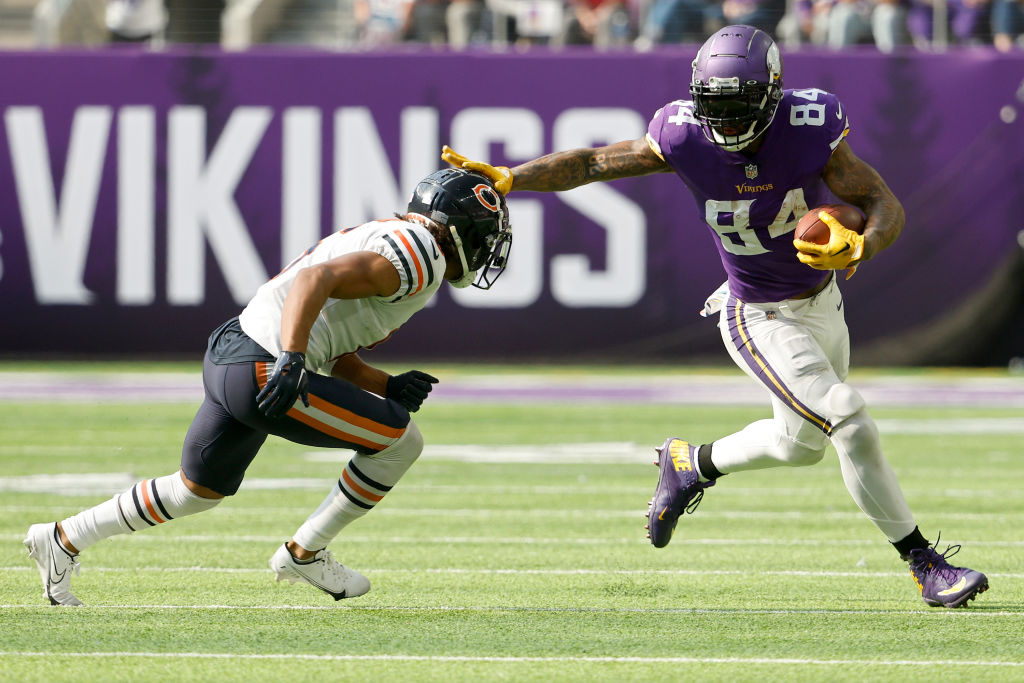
pixel 753 203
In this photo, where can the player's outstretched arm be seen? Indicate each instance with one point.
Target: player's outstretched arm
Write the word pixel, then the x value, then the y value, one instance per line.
pixel 566 170
pixel 854 181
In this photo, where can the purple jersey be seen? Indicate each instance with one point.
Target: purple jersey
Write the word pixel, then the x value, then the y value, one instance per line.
pixel 752 204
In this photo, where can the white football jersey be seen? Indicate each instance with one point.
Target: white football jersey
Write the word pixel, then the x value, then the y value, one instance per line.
pixel 347 325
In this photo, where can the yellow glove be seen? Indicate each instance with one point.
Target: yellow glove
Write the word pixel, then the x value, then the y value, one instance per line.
pixel 844 249
pixel 501 176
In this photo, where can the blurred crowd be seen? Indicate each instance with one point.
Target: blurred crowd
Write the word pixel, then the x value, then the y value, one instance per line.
pixel 643 24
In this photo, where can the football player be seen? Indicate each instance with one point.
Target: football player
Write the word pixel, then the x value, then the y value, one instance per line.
pixel 288 365
pixel 755 157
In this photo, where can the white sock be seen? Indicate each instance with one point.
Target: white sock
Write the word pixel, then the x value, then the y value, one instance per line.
pixel 364 482
pixel 147 503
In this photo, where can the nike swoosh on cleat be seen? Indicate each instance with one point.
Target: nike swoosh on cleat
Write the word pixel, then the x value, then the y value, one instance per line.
pixel 955 588
pixel 325 589
pixel 53 576
pixel 662 515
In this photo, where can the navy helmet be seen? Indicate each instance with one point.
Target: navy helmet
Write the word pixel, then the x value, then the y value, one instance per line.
pixel 476 214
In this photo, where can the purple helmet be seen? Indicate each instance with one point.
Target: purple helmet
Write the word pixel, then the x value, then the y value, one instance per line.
pixel 736 85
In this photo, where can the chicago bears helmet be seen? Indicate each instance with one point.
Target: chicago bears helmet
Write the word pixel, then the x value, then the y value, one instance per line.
pixel 477 216
pixel 736 85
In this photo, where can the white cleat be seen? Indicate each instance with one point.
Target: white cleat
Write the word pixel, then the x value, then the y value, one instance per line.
pixel 323 572
pixel 55 564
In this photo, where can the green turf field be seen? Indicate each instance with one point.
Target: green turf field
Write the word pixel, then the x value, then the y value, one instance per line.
pixel 529 564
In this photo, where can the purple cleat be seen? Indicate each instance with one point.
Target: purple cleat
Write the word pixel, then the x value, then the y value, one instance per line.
pixel 679 489
pixel 942 584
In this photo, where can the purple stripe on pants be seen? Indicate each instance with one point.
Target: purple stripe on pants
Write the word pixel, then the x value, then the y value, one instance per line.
pixel 744 344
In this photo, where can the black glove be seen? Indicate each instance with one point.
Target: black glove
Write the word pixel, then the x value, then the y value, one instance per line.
pixel 410 389
pixel 287 383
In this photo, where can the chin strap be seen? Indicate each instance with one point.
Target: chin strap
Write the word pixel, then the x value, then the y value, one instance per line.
pixel 468 276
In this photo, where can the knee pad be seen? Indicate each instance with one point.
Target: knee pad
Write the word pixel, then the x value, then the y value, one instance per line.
pixel 407 449
pixel 386 467
pixel 854 433
pixel 857 436
pixel 842 402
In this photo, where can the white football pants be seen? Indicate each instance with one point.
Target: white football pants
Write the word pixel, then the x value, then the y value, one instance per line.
pixel 799 350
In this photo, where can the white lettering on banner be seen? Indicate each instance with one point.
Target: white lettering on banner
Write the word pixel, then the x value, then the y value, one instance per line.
pixel 201 203
pixel 520 284
pixel 623 280
pixel 136 200
pixel 364 184
pixel 203 215
pixel 300 181
pixel 521 131
pixel 421 150
pixel 573 283
pixel 57 236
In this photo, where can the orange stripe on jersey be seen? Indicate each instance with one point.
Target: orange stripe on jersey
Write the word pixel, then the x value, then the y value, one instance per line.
pixel 415 260
pixel 149 505
pixel 369 495
pixel 328 429
pixel 357 420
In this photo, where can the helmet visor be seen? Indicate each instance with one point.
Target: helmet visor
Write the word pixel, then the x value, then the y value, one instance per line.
pixel 734 110
pixel 734 118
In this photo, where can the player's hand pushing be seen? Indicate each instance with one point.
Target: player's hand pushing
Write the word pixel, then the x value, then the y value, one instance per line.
pixel 844 248
pixel 501 176
pixel 410 388
pixel 287 382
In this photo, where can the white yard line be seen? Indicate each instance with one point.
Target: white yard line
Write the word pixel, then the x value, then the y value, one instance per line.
pixel 726 388
pixel 916 612
pixel 105 484
pixel 562 514
pixel 522 572
pixel 527 540
pixel 789 661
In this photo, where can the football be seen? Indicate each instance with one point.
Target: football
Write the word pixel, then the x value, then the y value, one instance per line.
pixel 811 229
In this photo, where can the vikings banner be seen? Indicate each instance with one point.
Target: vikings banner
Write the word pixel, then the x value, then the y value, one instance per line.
pixel 145 196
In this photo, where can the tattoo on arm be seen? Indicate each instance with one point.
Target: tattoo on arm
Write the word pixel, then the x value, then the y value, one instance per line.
pixel 857 183
pixel 566 170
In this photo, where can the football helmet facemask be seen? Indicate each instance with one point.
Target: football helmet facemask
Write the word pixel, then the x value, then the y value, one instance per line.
pixel 736 86
pixel 476 214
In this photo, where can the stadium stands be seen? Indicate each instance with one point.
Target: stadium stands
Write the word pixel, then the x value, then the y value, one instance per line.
pixel 640 24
